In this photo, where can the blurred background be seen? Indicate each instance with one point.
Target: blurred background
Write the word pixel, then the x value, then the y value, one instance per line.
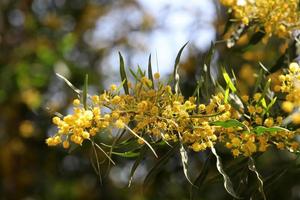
pixel 39 38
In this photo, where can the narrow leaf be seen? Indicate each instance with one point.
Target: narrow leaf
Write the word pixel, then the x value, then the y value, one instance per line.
pixel 145 141
pixel 230 123
pixel 150 73
pixel 127 154
pixel 227 182
pixel 85 91
pixel 228 81
pixel 123 74
pixel 252 167
pixel 259 130
pixel 176 67
pixel 69 84
pixel 184 161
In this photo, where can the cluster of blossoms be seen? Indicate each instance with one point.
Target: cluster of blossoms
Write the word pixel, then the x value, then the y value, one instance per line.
pixel 262 130
pixel 290 85
pixel 278 17
pixel 153 112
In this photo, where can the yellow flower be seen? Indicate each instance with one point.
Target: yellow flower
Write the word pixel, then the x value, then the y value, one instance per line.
pixel 76 102
pixel 156 75
pixel 119 124
pixel 113 87
pixel 287 106
pixel 269 122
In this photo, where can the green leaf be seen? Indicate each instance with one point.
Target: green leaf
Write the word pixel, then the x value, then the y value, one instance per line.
pixel 85 91
pixel 226 94
pixel 127 154
pixel 227 182
pixel 229 123
pixel 69 84
pixel 150 73
pixel 252 167
pixel 159 164
pixel 135 76
pixel 271 103
pixel 176 67
pixel 265 91
pixel 141 138
pixel 259 130
pixel 228 81
pixel 123 74
pixel 184 161
pixel 136 164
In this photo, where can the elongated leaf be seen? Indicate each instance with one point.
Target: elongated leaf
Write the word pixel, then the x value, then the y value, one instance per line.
pixel 259 130
pixel 96 145
pixel 252 167
pixel 227 182
pixel 230 123
pixel 145 141
pixel 85 91
pixel 127 154
pixel 123 74
pixel 160 163
pixel 136 164
pixel 200 178
pixel 228 81
pixel 265 91
pixel 184 161
pixel 69 84
pixel 150 73
pixel 135 76
pixel 97 167
pixel 176 67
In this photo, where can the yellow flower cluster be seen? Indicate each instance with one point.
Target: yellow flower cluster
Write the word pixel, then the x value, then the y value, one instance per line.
pixel 251 138
pixel 278 17
pixel 154 112
pixel 290 84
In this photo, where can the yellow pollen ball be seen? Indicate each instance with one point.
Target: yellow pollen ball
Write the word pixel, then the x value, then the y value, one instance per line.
pixel 113 87
pixel 156 75
pixel 287 106
pixel 296 118
pixel 119 124
pixel 76 102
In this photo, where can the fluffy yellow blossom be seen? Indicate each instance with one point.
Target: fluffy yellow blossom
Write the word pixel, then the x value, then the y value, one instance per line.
pixel 279 17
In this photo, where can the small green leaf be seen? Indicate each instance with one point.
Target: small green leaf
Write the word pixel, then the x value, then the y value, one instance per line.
pixel 123 74
pixel 127 154
pixel 229 123
pixel 85 91
pixel 150 73
pixel 259 130
pixel 228 81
